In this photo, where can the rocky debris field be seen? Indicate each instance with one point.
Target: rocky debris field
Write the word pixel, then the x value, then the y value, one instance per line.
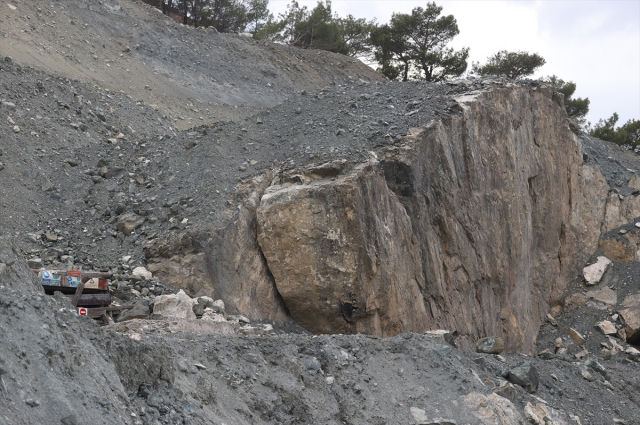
pixel 104 158
pixel 166 371
pixel 194 76
pixel 93 173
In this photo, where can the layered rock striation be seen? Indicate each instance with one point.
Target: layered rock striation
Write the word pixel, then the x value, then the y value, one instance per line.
pixel 472 222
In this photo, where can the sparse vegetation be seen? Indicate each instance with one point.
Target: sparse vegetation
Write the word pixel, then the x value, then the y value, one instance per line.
pixel 512 65
pixel 627 135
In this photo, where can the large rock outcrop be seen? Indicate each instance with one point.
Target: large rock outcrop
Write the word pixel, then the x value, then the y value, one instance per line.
pixel 486 214
pixel 224 263
pixel 473 222
pixel 343 254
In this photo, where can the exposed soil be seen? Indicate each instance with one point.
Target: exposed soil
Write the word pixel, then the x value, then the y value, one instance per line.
pixel 194 76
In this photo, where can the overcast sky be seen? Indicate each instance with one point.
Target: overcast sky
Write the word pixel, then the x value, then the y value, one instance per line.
pixel 595 44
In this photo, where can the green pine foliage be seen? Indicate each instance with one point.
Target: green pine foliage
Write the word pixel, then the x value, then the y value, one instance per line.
pixel 512 65
pixel 627 135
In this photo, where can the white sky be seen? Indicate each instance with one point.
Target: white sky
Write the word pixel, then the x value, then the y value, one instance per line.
pixel 595 44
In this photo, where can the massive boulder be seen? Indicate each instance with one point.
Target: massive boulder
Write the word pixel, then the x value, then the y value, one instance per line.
pixel 474 223
pixel 343 254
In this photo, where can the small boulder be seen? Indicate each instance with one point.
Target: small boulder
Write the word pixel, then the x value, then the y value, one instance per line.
pixel 127 223
pixel 490 345
pixel 594 272
pixel 526 376
pixel 577 338
pixel 631 318
pixel 606 327
pixel 575 301
pixel 606 296
pixel 174 306
pixel 142 272
pixel 541 414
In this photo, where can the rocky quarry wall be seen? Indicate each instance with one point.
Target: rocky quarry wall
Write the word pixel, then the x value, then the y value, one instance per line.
pixel 475 222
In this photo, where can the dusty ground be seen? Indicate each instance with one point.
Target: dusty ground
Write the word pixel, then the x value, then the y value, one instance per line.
pixel 194 76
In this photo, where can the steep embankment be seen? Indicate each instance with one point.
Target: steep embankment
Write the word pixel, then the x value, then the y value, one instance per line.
pixel 194 76
pixel 473 219
pixel 486 214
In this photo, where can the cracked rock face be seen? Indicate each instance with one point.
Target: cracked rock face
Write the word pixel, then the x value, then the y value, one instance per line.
pixel 343 254
pixel 473 224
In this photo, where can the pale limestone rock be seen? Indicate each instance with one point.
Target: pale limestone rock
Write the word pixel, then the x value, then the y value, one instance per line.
pixel 634 182
pixel 257 329
pixel 174 306
pixel 129 222
pixel 142 272
pixel 606 327
pixel 606 296
pixel 577 338
pixel 541 414
pixel 493 410
pixel 426 222
pixel 341 264
pixel 421 418
pixel 209 314
pixel 575 301
pixel 632 300
pixel 593 273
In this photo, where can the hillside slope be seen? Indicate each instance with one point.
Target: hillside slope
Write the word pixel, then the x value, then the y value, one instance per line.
pixel 194 76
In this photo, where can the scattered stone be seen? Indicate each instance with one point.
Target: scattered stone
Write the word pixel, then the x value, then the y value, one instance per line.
pixel 493 409
pixel 32 402
pixel 632 300
pixel 142 272
pixel 593 273
pixel 444 335
pixel 420 416
pixel 69 420
pixel 541 414
pixel 490 345
pixel 174 306
pixel 631 319
pixel 606 327
pixel 200 366
pixel 577 338
pixel 552 321
pixel 546 354
pixel 256 330
pixel 526 376
pixel 35 263
pixel 51 237
pixel 575 301
pixel 606 296
pixel 582 354
pixel 127 223
pixel 506 390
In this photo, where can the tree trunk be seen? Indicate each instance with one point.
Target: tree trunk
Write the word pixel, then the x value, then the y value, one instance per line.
pixel 405 76
pixel 185 19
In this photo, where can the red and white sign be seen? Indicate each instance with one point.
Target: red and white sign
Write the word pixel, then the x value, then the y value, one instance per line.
pixel 82 311
pixel 75 271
